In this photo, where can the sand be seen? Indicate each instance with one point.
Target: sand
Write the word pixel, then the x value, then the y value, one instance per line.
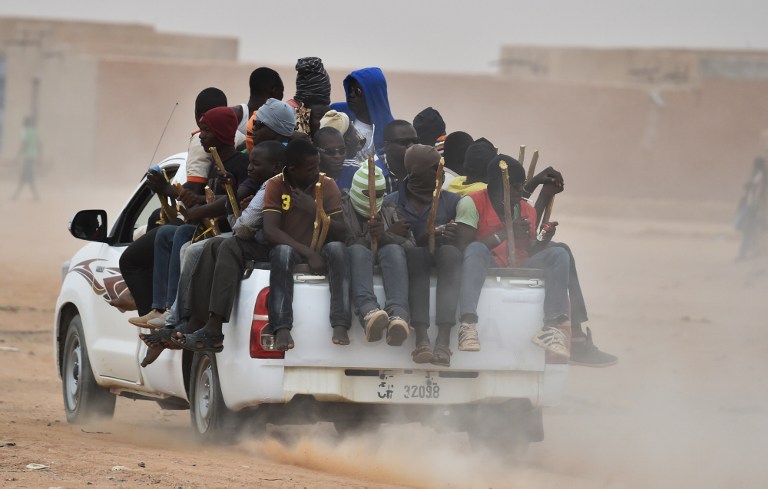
pixel 685 407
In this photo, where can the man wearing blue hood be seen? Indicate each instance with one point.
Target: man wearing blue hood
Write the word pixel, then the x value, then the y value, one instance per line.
pixel 367 106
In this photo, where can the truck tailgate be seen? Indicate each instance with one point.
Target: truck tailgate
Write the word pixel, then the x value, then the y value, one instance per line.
pixel 510 312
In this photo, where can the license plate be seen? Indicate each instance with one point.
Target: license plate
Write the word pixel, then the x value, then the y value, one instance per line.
pixel 416 387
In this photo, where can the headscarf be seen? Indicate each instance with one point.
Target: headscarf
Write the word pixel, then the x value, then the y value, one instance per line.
pixel 357 198
pixel 313 86
pixel 419 162
pixel 336 120
pixel 429 125
pixel 222 122
pixel 477 157
pixel 278 116
pixel 456 144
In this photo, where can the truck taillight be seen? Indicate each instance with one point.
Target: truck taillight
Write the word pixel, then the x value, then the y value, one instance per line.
pixel 262 339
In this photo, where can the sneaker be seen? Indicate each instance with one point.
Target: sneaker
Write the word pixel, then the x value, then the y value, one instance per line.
pixel 553 340
pixel 586 354
pixel 375 322
pixel 143 321
pixel 397 331
pixel 159 322
pixel 468 339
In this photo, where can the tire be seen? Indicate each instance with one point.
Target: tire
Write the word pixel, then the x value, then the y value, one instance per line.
pixel 84 399
pixel 355 426
pixel 507 432
pixel 211 419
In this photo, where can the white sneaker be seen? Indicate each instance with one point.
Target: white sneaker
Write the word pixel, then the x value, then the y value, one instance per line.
pixel 375 323
pixel 468 339
pixel 142 321
pixel 554 341
pixel 159 322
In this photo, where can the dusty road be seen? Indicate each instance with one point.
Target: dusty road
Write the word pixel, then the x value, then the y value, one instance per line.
pixel 686 406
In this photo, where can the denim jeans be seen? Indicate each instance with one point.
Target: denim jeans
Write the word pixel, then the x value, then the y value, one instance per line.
pixel 190 254
pixel 280 302
pixel 447 261
pixel 477 260
pixel 575 296
pixel 394 273
pixel 553 260
pixel 167 263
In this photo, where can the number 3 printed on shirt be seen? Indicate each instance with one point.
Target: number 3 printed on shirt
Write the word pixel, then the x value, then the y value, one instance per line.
pixel 286 202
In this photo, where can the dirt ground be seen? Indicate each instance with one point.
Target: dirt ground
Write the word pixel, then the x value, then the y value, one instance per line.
pixel 685 407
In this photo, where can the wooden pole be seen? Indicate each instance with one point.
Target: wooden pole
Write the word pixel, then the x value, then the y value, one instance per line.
pixel 372 200
pixel 433 210
pixel 532 168
pixel 508 221
pixel 227 185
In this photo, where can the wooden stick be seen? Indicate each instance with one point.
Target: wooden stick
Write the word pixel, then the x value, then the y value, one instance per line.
pixel 521 156
pixel 318 218
pixel 433 210
pixel 508 221
pixel 547 213
pixel 168 212
pixel 372 199
pixel 227 185
pixel 532 168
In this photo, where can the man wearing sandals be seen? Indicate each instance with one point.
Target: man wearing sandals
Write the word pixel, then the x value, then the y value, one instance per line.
pixel 289 217
pixel 391 235
pixel 414 202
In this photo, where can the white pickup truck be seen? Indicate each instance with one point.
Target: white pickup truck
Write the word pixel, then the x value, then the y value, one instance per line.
pixel 495 395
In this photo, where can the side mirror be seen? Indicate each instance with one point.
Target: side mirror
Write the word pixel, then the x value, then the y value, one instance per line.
pixel 90 225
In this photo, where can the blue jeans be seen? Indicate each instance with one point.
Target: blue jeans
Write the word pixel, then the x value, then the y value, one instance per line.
pixel 553 260
pixel 394 273
pixel 280 301
pixel 447 261
pixel 190 255
pixel 167 263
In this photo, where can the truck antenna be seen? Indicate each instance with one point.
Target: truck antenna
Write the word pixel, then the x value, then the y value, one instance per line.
pixel 163 133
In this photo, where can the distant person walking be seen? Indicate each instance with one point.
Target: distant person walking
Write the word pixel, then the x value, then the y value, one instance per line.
pixel 30 158
pixel 751 215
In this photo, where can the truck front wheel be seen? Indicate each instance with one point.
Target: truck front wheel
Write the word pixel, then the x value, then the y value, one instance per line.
pixel 84 399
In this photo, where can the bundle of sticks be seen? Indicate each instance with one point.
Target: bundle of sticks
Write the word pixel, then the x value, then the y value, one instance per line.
pixel 532 173
pixel 168 210
pixel 322 220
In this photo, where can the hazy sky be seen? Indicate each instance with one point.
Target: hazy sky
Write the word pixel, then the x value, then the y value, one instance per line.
pixel 445 35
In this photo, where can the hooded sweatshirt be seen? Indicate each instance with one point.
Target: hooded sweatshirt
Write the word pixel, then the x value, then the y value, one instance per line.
pixel 374 87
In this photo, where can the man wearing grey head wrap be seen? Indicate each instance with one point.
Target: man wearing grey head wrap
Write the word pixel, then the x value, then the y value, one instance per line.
pixel 414 203
pixel 275 121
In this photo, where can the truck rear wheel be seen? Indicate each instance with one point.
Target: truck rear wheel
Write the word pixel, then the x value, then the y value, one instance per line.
pixel 506 429
pixel 211 419
pixel 84 399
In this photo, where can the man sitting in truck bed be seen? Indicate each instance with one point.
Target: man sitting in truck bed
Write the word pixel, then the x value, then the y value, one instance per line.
pixel 289 216
pixel 414 202
pixel 483 236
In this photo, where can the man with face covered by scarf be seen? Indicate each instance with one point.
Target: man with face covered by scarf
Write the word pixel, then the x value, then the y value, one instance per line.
pixel 391 236
pixel 414 202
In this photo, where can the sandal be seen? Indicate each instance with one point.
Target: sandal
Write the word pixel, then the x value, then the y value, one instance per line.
pixel 151 355
pixel 340 335
pixel 441 356
pixel 199 341
pixel 283 340
pixel 422 353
